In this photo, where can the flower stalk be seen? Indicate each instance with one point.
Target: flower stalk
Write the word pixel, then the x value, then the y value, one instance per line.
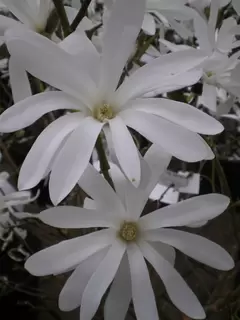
pixel 104 165
pixel 81 14
pixel 63 17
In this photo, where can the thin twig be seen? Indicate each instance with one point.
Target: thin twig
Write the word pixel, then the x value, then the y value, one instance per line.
pixel 62 16
pixel 81 14
pixel 104 165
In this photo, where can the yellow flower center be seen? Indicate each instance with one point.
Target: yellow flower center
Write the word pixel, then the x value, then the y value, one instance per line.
pixel 209 74
pixel 103 112
pixel 129 231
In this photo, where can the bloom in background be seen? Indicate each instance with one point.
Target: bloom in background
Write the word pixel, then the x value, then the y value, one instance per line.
pixel 218 45
pixel 117 253
pixel 11 207
pixel 88 82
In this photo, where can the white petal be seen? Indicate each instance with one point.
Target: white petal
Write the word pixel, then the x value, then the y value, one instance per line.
pixel 73 159
pixel 180 113
pixel 212 21
pixel 84 53
pixel 149 26
pixel 47 61
pixel 119 296
pixel 119 38
pixel 101 192
pixel 201 33
pixel 196 247
pixel 20 85
pixel 158 84
pixel 27 111
pixel 21 10
pixel 158 161
pixel 189 211
pixel 209 97
pixel 6 23
pixel 236 5
pixel 38 160
pixel 166 251
pixel 177 289
pixel 225 38
pixel 157 70
pixel 71 12
pixel 126 150
pixel 75 217
pixel 142 291
pixel 178 141
pixel 100 280
pixel 133 198
pixel 71 294
pixel 67 254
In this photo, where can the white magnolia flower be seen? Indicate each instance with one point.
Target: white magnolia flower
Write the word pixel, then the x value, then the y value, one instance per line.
pixel 117 253
pixel 88 82
pixel 218 68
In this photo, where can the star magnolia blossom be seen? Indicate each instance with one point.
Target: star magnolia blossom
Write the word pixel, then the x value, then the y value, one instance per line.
pixel 117 253
pixel 88 82
pixel 218 68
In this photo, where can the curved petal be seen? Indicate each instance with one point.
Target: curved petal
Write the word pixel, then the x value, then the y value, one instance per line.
pixel 209 97
pixel 84 53
pixel 70 217
pixel 177 289
pixel 180 113
pixel 20 84
pixel 27 111
pixel 126 150
pixel 47 61
pixel 45 148
pixel 156 72
pixel 6 23
pixel 225 38
pixel 73 159
pixel 178 141
pixel 149 26
pixel 158 160
pixel 166 251
pixel 194 246
pixel 67 254
pixel 119 38
pixel 100 280
pixel 71 294
pixel 101 191
pixel 133 198
pixel 21 10
pixel 119 296
pixel 186 212
pixel 142 292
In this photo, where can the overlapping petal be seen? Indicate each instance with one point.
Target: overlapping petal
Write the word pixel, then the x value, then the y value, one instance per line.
pixel 40 157
pixel 189 211
pixel 73 159
pixel 177 289
pixel 27 111
pixel 178 141
pixel 100 280
pixel 67 254
pixel 196 247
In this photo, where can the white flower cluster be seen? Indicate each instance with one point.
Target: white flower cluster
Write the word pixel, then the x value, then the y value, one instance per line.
pixel 89 69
